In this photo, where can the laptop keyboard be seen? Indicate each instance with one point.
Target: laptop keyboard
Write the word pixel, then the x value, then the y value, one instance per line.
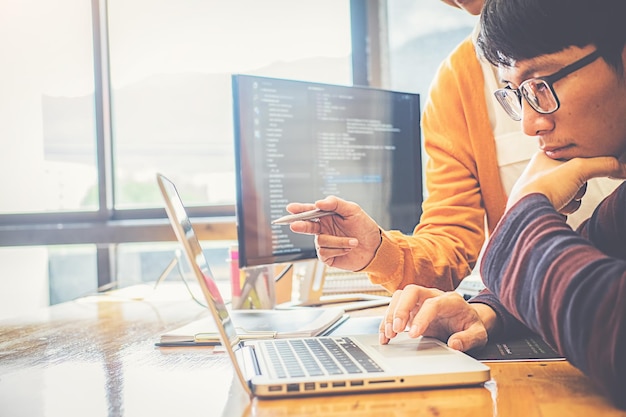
pixel 319 356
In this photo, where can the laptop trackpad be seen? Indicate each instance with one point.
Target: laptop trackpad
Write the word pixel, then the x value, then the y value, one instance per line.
pixel 408 347
pixel 402 345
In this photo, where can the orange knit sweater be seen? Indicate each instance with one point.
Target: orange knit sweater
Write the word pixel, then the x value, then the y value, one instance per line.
pixel 465 192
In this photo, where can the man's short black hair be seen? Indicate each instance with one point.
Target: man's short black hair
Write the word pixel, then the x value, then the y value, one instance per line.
pixel 515 30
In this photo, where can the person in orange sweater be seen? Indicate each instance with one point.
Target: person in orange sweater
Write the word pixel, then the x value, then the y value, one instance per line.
pixel 475 155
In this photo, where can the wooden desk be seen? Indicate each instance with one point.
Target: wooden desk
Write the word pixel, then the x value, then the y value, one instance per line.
pixel 96 357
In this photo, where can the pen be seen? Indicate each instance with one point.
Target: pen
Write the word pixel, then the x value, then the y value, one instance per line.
pixel 283 273
pixel 306 215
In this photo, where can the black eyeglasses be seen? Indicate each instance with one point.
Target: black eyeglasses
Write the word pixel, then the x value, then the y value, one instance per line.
pixel 539 92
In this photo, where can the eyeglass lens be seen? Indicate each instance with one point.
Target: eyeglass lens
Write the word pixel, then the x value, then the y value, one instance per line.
pixel 539 96
pixel 536 91
pixel 510 102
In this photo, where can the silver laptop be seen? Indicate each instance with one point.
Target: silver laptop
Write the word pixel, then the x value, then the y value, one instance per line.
pixel 321 365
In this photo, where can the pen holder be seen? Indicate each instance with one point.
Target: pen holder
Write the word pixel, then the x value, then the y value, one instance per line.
pixel 236 276
pixel 257 289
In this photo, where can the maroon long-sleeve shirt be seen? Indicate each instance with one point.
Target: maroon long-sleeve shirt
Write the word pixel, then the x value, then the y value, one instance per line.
pixel 567 286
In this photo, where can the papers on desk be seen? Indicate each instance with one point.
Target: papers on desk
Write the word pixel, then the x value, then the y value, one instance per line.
pixel 523 349
pixel 258 324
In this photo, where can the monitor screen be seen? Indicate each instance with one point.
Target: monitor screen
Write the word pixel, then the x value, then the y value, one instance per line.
pixel 301 141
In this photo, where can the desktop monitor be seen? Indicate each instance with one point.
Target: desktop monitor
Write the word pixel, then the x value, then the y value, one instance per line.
pixel 299 141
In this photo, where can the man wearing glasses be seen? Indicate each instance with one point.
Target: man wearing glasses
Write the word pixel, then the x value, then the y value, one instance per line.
pixel 564 65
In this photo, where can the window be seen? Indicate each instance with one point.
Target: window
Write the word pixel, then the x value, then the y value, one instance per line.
pixel 48 162
pixel 171 63
pixel 421 35
pixel 101 95
pixel 47 107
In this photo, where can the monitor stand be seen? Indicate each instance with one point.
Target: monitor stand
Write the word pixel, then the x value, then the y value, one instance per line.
pixel 308 283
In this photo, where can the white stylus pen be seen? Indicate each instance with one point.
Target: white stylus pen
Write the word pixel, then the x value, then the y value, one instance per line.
pixel 306 215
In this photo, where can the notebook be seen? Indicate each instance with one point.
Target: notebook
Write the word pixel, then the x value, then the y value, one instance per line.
pixel 258 324
pixel 320 365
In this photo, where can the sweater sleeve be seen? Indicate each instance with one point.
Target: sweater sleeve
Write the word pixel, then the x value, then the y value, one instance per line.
pixel 561 284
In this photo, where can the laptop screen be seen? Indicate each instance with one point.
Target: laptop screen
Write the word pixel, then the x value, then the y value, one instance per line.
pixel 187 237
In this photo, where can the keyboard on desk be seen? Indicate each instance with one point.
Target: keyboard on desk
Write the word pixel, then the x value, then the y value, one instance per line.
pixel 293 358
pixel 337 281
